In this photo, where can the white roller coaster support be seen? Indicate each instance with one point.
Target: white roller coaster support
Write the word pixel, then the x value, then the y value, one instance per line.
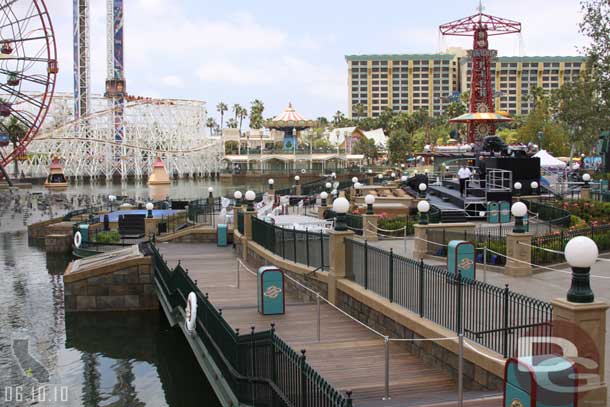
pixel 173 129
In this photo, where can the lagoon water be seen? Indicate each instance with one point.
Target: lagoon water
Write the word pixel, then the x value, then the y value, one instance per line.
pixel 85 359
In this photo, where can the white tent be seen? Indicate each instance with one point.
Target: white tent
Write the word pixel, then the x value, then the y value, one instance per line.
pixel 548 161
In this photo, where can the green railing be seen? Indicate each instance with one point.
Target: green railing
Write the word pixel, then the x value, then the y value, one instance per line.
pixel 549 213
pixel 299 246
pixel 260 368
pixel 240 222
pixel 354 223
pixel 491 316
pixel 557 241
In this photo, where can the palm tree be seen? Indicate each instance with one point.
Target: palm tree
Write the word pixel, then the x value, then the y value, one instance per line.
pixel 232 123
pixel 16 131
pixel 211 124
pixel 338 117
pixel 236 109
pixel 222 108
pixel 256 114
pixel 359 110
pixel 243 112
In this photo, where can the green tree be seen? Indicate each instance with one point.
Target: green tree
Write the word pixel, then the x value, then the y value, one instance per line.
pixel 368 148
pixel 455 109
pixel 16 131
pixel 399 144
pixel 359 111
pixel 221 108
pixel 338 118
pixel 232 123
pixel 256 114
pixel 322 121
pixel 241 115
pixel 596 25
pixel 236 110
pixel 539 123
pixel 211 124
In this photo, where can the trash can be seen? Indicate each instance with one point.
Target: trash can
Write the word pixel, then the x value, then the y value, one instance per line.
pixel 270 290
pixel 493 214
pixel 221 235
pixel 539 381
pixel 504 211
pixel 460 256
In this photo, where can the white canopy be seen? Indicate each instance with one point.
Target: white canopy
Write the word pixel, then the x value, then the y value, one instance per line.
pixel 548 161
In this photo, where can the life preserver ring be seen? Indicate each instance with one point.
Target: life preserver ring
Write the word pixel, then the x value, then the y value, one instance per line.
pixel 191 311
pixel 78 239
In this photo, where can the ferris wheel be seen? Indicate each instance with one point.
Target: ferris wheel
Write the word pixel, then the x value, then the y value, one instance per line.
pixel 28 69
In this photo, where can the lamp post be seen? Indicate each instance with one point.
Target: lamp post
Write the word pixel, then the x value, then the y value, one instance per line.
pixel 369 200
pixel 422 190
pixel 237 196
pixel 149 209
pixel 581 253
pixel 328 186
pixel 423 207
pixel 518 187
pixel 392 176
pixel 404 178
pixel 271 181
pixel 340 206
pixel 296 179
pixel 323 197
pixel 354 180
pixel 111 198
pixel 333 175
pixel 519 210
pixel 210 192
pixel 250 196
pixel 534 186
pixel 586 178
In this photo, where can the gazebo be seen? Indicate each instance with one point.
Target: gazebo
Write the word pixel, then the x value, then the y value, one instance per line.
pixel 291 123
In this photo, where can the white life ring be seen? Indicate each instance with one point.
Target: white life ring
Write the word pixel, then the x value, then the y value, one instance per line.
pixel 78 239
pixel 191 311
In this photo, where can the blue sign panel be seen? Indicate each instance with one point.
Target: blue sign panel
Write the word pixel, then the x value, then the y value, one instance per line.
pixel 460 256
pixel 270 290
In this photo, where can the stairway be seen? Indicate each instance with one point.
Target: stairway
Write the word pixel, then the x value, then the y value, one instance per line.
pixel 453 216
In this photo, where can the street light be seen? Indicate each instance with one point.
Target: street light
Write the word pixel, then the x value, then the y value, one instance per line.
pixel 519 210
pixel 149 209
pixel 404 178
pixel 271 181
pixel 340 206
pixel 581 253
pixel 422 189
pixel 370 171
pixel 586 178
pixel 328 185
pixel 423 207
pixel 237 196
pixel 111 198
pixel 369 200
pixel 323 196
pixel 333 175
pixel 534 186
pixel 250 196
pixel 355 180
pixel 210 192
pixel 392 176
pixel 297 179
pixel 518 187
pixel 380 177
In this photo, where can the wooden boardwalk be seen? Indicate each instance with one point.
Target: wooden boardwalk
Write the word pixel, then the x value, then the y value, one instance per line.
pixel 348 356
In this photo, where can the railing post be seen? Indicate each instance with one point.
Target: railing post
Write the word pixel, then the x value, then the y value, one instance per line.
pixel 461 371
pixel 283 245
pixel 421 288
pixel 321 250
pixel 307 245
pixel 273 372
pixel 303 380
pixel 391 277
pixel 318 309
pixel 458 316
pixel 386 348
pixel 237 275
pixel 294 243
pixel 366 264
pixel 505 326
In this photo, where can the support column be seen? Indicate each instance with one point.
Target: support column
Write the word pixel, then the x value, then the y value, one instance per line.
pixel 420 246
pixel 247 232
pixel 297 189
pixel 585 193
pixel 519 255
pixel 575 322
pixel 321 210
pixel 369 227
pixel 336 257
pixel 150 226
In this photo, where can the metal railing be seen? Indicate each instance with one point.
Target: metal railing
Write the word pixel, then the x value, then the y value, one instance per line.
pixel 491 316
pixel 354 223
pixel 557 240
pixel 438 239
pixel 260 367
pixel 204 210
pixel 299 246
pixel 550 213
pixel 240 222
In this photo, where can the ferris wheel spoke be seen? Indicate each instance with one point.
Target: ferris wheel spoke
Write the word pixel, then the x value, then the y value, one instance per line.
pixel 21 95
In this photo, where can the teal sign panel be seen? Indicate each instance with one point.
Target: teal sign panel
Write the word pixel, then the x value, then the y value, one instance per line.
pixel 83 228
pixel 493 212
pixel 460 256
pixel 221 235
pixel 504 207
pixel 540 381
pixel 270 290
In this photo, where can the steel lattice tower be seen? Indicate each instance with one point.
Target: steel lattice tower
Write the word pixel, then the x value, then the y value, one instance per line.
pixel 481 26
pixel 82 60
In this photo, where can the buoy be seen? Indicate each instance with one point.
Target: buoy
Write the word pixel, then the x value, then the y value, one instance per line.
pixel 191 311
pixel 78 239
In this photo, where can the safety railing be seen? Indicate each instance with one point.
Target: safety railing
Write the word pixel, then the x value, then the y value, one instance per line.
pixel 299 246
pixel 548 249
pixel 553 214
pixel 240 222
pixel 260 368
pixel 491 316
pixel 354 223
pixel 438 240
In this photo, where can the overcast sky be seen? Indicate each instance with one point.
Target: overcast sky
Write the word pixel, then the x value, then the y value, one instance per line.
pixel 279 51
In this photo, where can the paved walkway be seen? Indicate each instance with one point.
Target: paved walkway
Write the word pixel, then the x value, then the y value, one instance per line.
pixel 348 355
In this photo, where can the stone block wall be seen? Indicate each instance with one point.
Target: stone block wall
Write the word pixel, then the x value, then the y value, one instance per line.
pixel 475 378
pixel 124 289
pixel 58 243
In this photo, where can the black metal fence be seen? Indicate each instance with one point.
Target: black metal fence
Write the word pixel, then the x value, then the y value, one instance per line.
pixel 354 223
pixel 299 246
pixel 547 212
pixel 557 241
pixel 439 238
pixel 204 211
pixel 491 316
pixel 258 366
pixel 240 222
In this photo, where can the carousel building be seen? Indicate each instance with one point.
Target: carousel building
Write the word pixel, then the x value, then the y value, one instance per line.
pixel 287 145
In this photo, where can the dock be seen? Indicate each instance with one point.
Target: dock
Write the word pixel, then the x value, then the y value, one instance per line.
pixel 348 355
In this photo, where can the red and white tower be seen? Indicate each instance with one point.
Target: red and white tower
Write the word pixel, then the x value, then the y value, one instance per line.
pixel 481 26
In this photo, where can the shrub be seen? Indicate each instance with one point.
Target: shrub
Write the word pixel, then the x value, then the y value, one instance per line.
pixel 111 236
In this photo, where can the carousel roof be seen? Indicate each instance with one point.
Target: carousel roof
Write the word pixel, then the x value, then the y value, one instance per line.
pixel 290 118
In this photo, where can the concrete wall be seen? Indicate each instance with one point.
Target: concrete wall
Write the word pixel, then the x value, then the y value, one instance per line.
pixel 120 286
